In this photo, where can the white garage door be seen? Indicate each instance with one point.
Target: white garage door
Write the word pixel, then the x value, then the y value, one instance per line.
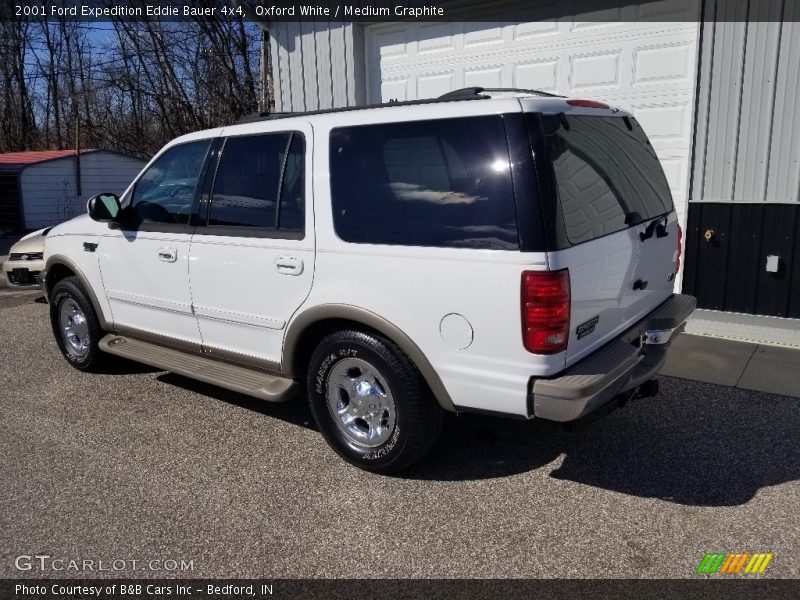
pixel 645 63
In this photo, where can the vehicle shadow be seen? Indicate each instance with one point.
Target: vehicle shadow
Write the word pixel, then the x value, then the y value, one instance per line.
pixel 695 443
pixel 122 366
pixel 294 411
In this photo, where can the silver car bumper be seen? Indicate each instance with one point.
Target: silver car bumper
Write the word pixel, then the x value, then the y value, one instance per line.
pixel 618 367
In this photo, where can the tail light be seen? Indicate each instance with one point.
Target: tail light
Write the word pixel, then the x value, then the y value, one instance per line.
pixel 678 252
pixel 545 311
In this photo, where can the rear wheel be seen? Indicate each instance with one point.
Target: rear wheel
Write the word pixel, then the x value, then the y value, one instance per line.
pixel 370 402
pixel 75 325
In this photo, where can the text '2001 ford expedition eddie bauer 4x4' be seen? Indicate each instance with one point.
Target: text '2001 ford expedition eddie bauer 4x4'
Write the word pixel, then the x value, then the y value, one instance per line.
pixel 495 251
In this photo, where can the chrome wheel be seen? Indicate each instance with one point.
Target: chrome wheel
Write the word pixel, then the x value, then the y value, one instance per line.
pixel 74 328
pixel 360 403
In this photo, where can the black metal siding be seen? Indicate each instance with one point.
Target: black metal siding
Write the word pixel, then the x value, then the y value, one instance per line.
pixel 728 272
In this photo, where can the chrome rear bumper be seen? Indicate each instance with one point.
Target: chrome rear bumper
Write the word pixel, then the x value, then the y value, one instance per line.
pixel 618 367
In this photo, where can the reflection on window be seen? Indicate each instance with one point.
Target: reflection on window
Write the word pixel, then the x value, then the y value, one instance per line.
pixel 606 173
pixel 247 181
pixel 292 198
pixel 165 192
pixel 425 183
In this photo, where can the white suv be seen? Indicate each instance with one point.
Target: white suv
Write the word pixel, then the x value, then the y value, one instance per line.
pixel 505 252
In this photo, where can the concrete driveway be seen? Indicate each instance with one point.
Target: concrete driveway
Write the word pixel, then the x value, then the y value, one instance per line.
pixel 141 464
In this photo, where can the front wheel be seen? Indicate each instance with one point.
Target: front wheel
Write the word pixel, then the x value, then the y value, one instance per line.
pixel 370 402
pixel 75 325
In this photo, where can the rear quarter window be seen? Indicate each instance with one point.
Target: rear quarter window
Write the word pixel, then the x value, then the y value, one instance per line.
pixel 443 182
pixel 606 172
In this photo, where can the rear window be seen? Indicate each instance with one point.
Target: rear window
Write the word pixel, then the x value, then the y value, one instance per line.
pixel 444 182
pixel 607 174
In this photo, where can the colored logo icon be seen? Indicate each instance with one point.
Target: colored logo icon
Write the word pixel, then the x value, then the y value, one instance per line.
pixel 730 563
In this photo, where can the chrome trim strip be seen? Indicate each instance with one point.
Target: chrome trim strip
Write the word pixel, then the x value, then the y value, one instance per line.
pixel 216 314
pixel 209 352
pixel 148 302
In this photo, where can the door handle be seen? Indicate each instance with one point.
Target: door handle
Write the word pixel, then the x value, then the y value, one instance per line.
pixel 289 265
pixel 167 254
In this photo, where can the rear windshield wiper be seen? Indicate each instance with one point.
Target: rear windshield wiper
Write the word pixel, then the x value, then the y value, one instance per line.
pixel 633 218
pixel 658 225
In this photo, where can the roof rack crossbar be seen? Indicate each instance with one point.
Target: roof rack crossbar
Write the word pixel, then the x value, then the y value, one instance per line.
pixel 477 91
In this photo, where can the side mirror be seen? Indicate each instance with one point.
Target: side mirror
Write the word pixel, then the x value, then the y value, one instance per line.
pixel 103 207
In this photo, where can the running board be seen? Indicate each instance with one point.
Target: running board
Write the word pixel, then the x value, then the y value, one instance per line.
pixel 272 388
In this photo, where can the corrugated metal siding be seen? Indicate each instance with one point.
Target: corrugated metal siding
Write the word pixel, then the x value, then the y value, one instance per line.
pixel 784 166
pixel 747 137
pixel 744 203
pixel 728 271
pixel 317 65
pixel 49 191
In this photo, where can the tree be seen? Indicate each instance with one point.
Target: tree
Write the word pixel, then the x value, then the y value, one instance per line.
pixel 132 89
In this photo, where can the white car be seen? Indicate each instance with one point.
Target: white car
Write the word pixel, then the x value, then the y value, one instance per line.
pixel 504 252
pixel 26 259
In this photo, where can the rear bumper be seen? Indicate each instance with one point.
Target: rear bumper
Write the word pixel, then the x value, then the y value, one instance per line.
pixel 620 366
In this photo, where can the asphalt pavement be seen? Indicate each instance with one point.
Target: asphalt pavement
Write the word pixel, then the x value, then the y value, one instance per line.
pixel 138 464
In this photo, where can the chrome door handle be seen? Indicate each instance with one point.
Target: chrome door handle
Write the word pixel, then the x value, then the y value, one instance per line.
pixel 168 254
pixel 289 265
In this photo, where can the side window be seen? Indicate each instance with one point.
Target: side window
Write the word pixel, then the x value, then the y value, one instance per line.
pixel 443 182
pixel 259 183
pixel 165 192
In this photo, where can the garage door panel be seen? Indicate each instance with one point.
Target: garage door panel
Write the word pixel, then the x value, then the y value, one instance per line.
pixel 675 171
pixel 491 77
pixel 437 38
pixel 603 21
pixel 538 74
pixel 395 89
pixel 670 63
pixel 387 51
pixel 664 121
pixel 595 70
pixel 535 30
pixel 478 35
pixel 431 86
pixel 391 43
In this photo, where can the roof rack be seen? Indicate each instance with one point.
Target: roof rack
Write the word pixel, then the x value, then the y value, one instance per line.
pixel 253 117
pixel 465 94
pixel 260 116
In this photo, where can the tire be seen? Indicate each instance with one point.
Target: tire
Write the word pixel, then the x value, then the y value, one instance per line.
pixel 75 325
pixel 370 402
